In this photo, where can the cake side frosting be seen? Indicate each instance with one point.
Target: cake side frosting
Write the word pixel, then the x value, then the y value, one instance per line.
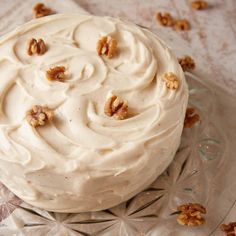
pixel 84 160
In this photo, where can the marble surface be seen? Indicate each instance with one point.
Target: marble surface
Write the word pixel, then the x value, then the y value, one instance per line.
pixel 17 12
pixel 211 40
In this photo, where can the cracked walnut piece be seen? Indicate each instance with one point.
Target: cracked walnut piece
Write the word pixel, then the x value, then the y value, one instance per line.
pixel 182 25
pixel 116 107
pixel 229 229
pixel 41 10
pixel 191 118
pixel 165 19
pixel 187 63
pixel 36 47
pixel 56 73
pixel 191 214
pixel 39 115
pixel 199 5
pixel 107 46
pixel 171 80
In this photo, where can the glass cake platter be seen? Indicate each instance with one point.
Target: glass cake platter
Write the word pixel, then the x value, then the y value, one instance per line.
pixel 203 171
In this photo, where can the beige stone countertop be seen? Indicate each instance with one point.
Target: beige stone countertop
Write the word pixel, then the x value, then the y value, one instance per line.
pixel 211 41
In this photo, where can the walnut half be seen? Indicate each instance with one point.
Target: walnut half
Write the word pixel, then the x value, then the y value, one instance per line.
pixel 229 229
pixel 36 47
pixel 39 115
pixel 41 10
pixel 191 118
pixel 56 73
pixel 199 4
pixel 171 80
pixel 107 46
pixel 116 107
pixel 165 19
pixel 187 63
pixel 191 214
pixel 182 25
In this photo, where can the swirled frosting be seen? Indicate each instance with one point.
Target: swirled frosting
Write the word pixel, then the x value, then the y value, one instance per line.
pixel 84 160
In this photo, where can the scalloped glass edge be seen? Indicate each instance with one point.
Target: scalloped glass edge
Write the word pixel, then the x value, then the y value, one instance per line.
pixel 203 171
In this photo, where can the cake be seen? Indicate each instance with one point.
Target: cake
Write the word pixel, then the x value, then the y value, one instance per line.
pixel 92 111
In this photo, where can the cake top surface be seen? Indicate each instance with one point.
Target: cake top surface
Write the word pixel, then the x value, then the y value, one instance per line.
pixel 82 138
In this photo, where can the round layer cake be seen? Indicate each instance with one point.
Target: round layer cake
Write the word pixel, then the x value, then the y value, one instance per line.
pixel 92 111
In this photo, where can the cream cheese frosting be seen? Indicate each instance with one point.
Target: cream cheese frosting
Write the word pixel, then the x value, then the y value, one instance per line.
pixel 84 160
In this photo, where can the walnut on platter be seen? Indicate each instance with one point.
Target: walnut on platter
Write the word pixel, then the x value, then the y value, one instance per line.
pixel 229 229
pixel 107 46
pixel 191 214
pixel 187 63
pixel 171 80
pixel 182 25
pixel 56 73
pixel 116 107
pixel 41 10
pixel 39 115
pixel 36 47
pixel 199 5
pixel 165 19
pixel 191 118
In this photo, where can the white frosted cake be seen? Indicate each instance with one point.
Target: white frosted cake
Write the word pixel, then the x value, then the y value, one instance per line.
pixel 92 111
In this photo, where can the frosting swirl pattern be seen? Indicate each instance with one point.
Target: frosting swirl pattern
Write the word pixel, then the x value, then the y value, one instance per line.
pixel 85 160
